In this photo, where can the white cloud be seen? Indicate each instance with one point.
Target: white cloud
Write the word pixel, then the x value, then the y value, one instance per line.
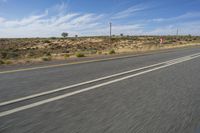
pixel 44 25
pixel 186 28
pixel 2 20
pixel 73 23
pixel 165 30
pixel 86 18
pixel 25 21
pixel 56 21
pixel 47 24
pixel 188 15
pixel 132 29
pixel 61 8
pixel 129 12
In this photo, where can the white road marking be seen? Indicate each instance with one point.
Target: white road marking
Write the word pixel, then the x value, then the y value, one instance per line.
pixel 84 83
pixel 18 109
pixel 71 86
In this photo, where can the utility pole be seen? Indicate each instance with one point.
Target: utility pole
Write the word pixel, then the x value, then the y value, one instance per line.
pixel 110 33
pixel 177 32
pixel 110 29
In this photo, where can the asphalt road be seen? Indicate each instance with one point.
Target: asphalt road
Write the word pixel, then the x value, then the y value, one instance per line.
pixel 164 98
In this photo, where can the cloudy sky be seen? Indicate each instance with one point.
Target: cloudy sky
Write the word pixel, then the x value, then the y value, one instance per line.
pixel 48 18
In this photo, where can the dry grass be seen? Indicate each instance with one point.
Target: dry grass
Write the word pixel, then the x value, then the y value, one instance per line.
pixel 39 49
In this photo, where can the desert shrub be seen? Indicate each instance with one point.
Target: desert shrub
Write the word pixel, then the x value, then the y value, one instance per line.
pixel 31 54
pixel 47 41
pixel 114 39
pixel 66 55
pixel 100 52
pixel 4 55
pixel 47 58
pixel 65 51
pixel 93 52
pixel 46 53
pixel 28 61
pixel 73 39
pixel 170 41
pixel 53 38
pixel 80 55
pixel 112 52
pixel 12 55
pixel 2 62
pixel 37 41
pixel 7 62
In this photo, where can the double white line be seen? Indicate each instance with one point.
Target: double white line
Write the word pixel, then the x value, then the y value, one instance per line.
pixel 145 69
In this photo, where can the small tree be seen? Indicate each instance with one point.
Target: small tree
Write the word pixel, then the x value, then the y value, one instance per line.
pixel 64 34
pixel 76 36
pixel 121 34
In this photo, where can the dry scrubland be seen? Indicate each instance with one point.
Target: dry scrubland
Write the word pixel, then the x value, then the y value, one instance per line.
pixel 28 50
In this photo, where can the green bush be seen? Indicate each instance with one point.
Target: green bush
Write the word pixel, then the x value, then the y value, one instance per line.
pixel 112 52
pixel 80 55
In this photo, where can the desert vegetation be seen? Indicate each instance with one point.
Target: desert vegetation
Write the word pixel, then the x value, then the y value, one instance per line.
pixel 45 49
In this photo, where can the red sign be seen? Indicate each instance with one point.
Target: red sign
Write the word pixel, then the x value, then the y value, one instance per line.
pixel 161 40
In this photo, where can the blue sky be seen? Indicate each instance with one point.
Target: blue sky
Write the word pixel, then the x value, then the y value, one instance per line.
pixel 47 18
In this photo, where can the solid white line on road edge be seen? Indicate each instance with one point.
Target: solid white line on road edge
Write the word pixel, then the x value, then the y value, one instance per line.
pixel 88 82
pixel 5 113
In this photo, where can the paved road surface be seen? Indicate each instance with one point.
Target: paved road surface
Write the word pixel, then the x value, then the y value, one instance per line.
pixel 163 98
